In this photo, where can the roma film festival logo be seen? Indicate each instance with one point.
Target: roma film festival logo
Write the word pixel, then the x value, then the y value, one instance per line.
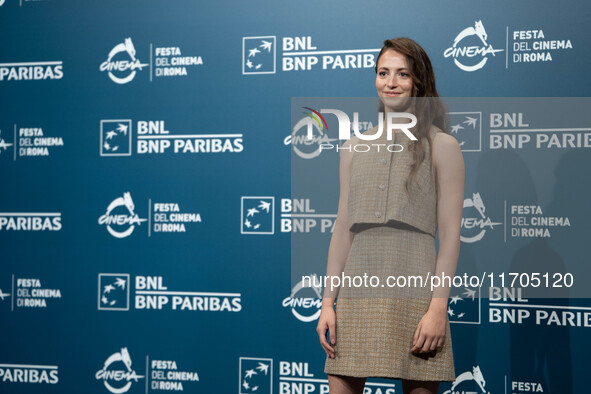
pixel 256 375
pixel 117 373
pixel 474 227
pixel 3 144
pixel 258 55
pixel 121 64
pixel 115 137
pixel 305 299
pixel 257 215
pixel 3 295
pixel 469 382
pixel 471 43
pixel 120 218
pixel 113 292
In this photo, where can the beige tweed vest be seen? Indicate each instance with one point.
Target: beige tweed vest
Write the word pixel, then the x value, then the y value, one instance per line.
pixel 377 194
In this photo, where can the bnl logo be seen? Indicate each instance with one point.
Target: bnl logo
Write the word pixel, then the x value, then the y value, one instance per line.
pixel 258 55
pixel 256 375
pixel 113 292
pixel 116 137
pixel 257 215
pixel 464 305
pixel 467 128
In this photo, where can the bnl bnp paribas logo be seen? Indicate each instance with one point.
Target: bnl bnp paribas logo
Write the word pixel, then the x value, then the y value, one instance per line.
pixel 31 71
pixel 464 305
pixel 113 292
pixel 116 137
pixel 470 50
pixel 256 375
pixel 467 128
pixel 257 216
pixel 153 137
pixel 259 56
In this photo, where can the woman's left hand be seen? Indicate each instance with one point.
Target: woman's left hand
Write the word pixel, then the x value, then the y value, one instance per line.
pixel 430 332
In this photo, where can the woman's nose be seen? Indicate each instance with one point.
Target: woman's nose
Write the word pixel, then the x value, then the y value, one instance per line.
pixel 392 81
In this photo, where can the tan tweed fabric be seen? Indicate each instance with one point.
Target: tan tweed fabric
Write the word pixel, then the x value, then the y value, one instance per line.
pixel 375 326
pixel 377 183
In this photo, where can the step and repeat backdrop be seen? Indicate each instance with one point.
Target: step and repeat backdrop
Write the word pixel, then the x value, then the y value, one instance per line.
pixel 147 209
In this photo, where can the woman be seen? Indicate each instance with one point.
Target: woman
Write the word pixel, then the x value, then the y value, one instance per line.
pixel 390 207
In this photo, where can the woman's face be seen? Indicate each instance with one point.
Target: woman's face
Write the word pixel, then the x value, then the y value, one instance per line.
pixel 393 80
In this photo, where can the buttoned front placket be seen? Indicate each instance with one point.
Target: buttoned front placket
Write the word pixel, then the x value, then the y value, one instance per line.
pixel 385 160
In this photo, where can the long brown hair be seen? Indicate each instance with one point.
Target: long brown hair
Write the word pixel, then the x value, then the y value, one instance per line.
pixel 429 111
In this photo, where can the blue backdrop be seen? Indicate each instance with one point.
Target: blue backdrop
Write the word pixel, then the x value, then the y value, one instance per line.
pixel 136 136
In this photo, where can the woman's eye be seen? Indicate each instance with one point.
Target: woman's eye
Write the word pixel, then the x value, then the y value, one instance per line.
pixel 382 73
pixel 404 75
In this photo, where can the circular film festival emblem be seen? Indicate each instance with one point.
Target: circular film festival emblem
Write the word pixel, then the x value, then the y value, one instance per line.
pixel 121 220
pixel 116 379
pixel 127 67
pixel 474 226
pixel 469 382
pixel 301 303
pixel 469 51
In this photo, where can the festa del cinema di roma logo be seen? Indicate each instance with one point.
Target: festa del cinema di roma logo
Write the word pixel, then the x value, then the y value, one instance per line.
pixel 122 68
pixel 462 54
pixel 117 374
pixel 121 225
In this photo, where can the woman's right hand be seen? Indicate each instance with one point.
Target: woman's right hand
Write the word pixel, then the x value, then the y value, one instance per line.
pixel 327 322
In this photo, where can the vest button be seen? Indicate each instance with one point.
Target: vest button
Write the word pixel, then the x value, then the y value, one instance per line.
pixel 383 161
pixel 378 214
pixel 382 186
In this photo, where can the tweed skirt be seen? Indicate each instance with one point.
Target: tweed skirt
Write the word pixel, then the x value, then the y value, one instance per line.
pixel 375 326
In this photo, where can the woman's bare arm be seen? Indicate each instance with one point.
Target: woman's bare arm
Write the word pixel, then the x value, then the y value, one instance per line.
pixel 338 251
pixel 342 238
pixel 449 165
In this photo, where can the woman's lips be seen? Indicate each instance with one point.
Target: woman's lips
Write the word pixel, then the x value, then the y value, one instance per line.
pixel 392 94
